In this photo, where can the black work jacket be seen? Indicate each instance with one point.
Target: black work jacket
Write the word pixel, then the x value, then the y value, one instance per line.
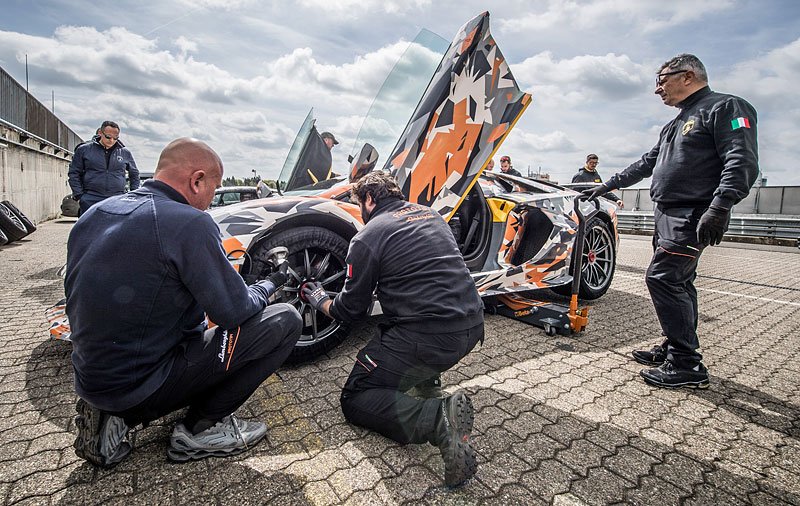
pixel 407 255
pixel 707 155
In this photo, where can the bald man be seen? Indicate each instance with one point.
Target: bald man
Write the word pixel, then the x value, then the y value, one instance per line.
pixel 143 271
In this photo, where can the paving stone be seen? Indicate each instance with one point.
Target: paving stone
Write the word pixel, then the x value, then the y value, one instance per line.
pixel 551 478
pixel 601 486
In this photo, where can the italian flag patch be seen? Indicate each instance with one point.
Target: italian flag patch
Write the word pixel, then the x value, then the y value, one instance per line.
pixel 349 270
pixel 740 123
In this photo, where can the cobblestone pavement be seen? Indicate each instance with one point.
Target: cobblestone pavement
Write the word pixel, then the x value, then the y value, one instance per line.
pixel 559 420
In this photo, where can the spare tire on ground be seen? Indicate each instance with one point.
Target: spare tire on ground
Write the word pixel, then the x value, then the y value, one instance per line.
pixel 11 225
pixel 70 207
pixel 3 238
pixel 29 226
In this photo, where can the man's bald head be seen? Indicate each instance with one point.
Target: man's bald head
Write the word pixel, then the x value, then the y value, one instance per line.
pixel 192 168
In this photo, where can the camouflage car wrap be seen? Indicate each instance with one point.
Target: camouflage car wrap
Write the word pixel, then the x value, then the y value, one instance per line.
pixel 465 114
pixel 242 224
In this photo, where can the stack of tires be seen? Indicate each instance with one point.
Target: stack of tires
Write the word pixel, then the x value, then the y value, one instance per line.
pixel 14 225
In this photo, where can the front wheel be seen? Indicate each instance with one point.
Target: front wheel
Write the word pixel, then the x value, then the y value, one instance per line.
pixel 599 261
pixel 315 254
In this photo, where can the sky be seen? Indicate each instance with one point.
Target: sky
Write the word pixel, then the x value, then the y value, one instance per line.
pixel 242 74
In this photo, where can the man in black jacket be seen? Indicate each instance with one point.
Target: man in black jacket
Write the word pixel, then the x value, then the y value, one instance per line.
pixel 143 271
pixel 588 174
pixel 408 256
pixel 507 168
pixel 98 167
pixel 705 162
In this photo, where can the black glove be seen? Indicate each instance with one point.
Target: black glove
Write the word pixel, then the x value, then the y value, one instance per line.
pixel 713 225
pixel 278 278
pixel 594 193
pixel 314 294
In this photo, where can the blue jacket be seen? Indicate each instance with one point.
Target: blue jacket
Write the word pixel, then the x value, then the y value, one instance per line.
pixel 142 268
pixel 89 172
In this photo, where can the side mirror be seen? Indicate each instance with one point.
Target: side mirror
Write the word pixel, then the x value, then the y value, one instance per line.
pixel 364 162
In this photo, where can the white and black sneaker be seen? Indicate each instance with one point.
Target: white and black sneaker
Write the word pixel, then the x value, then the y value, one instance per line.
pixel 229 436
pixel 102 438
pixel 453 429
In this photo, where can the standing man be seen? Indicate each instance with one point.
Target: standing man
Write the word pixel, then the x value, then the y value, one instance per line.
pixel 408 256
pixel 329 140
pixel 507 168
pixel 141 346
pixel 705 161
pixel 98 167
pixel 588 174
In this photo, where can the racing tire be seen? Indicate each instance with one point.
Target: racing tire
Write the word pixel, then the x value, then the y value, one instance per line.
pixel 11 224
pixel 315 254
pixel 3 238
pixel 29 226
pixel 599 262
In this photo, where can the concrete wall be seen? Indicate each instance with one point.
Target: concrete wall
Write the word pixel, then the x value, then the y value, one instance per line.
pixel 33 175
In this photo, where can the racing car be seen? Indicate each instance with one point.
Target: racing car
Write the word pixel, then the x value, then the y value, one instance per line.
pixel 515 234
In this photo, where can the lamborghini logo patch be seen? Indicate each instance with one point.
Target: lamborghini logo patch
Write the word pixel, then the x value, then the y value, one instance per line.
pixel 687 127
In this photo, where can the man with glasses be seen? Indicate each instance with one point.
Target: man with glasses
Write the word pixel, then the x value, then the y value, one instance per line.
pixel 705 161
pixel 98 168
pixel 588 174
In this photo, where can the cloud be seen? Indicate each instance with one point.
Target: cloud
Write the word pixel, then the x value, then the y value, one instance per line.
pixel 645 15
pixel 570 81
pixel 357 8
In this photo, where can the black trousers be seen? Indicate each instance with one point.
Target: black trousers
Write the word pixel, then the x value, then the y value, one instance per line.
pixel 670 279
pixel 395 360
pixel 88 201
pixel 216 375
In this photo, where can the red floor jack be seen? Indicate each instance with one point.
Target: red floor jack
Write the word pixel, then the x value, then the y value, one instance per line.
pixel 555 318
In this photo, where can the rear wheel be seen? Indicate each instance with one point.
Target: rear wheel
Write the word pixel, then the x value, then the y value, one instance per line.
pixel 315 254
pixel 599 261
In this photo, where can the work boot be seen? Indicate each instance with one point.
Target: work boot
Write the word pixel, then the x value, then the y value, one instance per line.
pixel 453 428
pixel 667 375
pixel 102 438
pixel 655 356
pixel 428 389
pixel 229 436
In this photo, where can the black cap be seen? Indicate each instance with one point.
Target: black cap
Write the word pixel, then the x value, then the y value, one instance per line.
pixel 328 135
pixel 591 156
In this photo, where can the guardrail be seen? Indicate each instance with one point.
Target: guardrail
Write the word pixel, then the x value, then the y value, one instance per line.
pixel 769 200
pixel 774 228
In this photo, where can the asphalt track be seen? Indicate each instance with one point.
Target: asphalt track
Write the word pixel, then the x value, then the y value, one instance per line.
pixel 560 420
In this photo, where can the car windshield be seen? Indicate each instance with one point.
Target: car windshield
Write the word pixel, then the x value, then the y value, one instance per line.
pixel 388 114
pixel 400 93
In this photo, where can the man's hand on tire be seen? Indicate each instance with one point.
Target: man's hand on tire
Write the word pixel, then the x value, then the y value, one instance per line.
pixel 712 225
pixel 313 293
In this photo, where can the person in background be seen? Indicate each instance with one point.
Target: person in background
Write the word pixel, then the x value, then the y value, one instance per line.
pixel 98 167
pixel 588 174
pixel 507 168
pixel 329 139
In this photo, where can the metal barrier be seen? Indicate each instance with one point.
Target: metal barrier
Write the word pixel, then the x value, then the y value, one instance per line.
pixel 774 227
pixel 771 200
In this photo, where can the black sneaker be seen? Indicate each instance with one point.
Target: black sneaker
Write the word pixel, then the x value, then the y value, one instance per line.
pixel 453 428
pixel 669 376
pixel 102 438
pixel 430 389
pixel 653 357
